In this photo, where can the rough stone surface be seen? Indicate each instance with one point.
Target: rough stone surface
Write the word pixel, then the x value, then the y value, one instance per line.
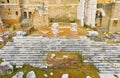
pixel 31 74
pixel 6 68
pixel 18 75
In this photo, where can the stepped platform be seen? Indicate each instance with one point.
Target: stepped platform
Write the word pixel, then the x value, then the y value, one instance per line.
pixel 33 50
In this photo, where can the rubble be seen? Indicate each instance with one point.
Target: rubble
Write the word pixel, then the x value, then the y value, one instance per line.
pixel 88 77
pixel 6 68
pixel 55 28
pixel 65 76
pixel 51 73
pixel 111 38
pixel 18 75
pixel 92 33
pixel 45 75
pixel 31 74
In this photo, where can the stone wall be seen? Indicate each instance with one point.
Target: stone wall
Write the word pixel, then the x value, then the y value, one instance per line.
pixel 108 9
pixel 63 10
pixel 115 20
pixel 14 11
pixel 59 10
pixel 111 20
pixel 10 13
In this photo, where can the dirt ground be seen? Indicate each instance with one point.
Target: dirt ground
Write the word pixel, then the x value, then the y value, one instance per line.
pixel 66 32
pixel 64 60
